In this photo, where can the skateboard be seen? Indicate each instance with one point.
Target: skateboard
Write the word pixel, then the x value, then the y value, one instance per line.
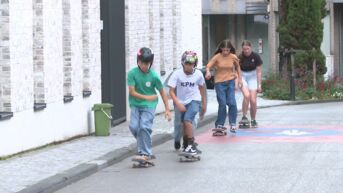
pixel 141 163
pixel 244 124
pixel 219 131
pixel 184 157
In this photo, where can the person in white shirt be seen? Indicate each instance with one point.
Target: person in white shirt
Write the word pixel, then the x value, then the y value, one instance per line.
pixel 189 84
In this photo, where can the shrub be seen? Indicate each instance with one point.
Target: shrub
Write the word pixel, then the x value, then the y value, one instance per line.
pixel 276 87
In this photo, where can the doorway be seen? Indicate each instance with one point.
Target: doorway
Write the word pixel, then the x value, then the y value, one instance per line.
pixel 113 73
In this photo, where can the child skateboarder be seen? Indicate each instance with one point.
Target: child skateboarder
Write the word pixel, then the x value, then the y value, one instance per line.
pixel 251 67
pixel 190 87
pixel 227 68
pixel 143 82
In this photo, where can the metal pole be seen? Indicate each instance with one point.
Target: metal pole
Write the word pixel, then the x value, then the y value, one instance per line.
pixel 314 68
pixel 292 83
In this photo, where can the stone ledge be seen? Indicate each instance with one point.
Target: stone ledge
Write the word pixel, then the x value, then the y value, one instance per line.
pixel 39 106
pixel 68 99
pixel 86 93
pixel 5 115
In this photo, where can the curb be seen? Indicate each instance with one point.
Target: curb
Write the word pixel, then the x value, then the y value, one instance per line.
pixel 58 181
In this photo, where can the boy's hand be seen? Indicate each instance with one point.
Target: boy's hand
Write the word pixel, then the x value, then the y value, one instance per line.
pixel 151 97
pixel 168 115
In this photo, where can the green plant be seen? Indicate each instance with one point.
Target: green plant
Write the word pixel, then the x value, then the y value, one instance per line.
pixel 301 28
pixel 275 87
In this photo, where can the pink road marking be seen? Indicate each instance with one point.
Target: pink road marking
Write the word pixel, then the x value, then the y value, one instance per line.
pixel 274 137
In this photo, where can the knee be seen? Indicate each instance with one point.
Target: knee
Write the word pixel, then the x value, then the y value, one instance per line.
pixel 222 105
pixel 247 97
pixel 146 130
pixel 232 103
pixel 133 126
pixel 253 102
pixel 134 130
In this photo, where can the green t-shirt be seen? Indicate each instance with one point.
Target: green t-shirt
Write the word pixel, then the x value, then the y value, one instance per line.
pixel 144 83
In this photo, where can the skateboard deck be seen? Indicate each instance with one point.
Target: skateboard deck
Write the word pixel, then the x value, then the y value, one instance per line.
pixel 189 158
pixel 219 132
pixel 244 125
pixel 253 126
pixel 140 163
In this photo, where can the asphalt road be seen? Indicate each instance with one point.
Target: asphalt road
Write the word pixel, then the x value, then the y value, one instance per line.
pixel 296 149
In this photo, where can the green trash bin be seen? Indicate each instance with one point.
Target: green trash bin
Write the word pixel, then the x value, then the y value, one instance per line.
pixel 102 118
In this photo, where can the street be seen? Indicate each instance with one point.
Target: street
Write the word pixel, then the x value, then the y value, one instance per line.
pixel 296 149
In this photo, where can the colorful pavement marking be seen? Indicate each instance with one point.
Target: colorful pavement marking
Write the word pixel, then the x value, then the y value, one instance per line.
pixel 270 134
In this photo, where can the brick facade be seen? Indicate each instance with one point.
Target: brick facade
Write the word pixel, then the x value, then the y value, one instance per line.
pixel 153 24
pixel 48 49
pixel 5 67
pixel 85 45
pixel 51 48
pixel 168 27
pixel 38 51
pixel 67 50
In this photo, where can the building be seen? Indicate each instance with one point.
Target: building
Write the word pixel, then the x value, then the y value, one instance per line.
pixel 237 20
pixel 60 57
pixel 333 38
pixel 49 71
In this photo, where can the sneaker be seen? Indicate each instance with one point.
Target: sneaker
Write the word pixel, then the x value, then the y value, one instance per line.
pixel 244 119
pixel 177 145
pixel 220 127
pixel 142 157
pixel 196 148
pixel 233 129
pixel 190 150
pixel 253 123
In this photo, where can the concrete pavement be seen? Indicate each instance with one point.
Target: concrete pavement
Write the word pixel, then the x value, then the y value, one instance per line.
pixel 51 168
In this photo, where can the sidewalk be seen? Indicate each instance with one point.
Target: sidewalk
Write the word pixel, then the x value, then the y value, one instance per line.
pixel 51 168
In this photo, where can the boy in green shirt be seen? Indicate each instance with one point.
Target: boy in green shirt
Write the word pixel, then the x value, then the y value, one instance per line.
pixel 143 99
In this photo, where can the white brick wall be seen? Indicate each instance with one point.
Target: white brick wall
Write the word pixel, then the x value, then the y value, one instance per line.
pixel 5 66
pixel 168 27
pixel 94 46
pixel 21 55
pixel 53 56
pixel 191 26
pixel 76 47
pixel 58 121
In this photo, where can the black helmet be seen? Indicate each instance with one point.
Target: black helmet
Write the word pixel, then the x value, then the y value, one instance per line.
pixel 145 55
pixel 189 57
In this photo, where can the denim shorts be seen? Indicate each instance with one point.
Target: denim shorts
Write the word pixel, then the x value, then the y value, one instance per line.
pixel 250 79
pixel 192 109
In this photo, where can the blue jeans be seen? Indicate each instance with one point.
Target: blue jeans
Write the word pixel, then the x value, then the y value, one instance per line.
pixel 178 127
pixel 226 96
pixel 141 128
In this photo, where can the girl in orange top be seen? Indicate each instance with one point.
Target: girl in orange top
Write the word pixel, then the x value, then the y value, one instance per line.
pixel 226 65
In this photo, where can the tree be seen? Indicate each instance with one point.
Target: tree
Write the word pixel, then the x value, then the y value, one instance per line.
pixel 301 28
